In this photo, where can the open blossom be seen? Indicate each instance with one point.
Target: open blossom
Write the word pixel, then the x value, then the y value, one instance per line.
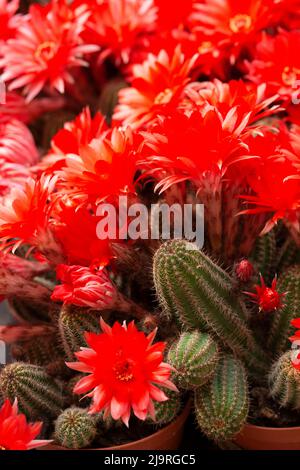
pixel 103 168
pixel 47 45
pixel 275 184
pixel 156 88
pixel 15 432
pixel 249 98
pixel 276 62
pixel 190 146
pixel 237 22
pixel 83 287
pixel 125 369
pixel 74 135
pixel 24 213
pixel 119 27
pixel 267 298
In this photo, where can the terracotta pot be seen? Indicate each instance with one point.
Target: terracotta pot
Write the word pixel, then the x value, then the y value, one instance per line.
pixel 262 438
pixel 167 438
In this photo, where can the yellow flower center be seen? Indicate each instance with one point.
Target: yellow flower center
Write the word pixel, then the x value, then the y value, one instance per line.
pixel 240 23
pixel 2 448
pixel 123 371
pixel 290 75
pixel 46 51
pixel 205 46
pixel 164 97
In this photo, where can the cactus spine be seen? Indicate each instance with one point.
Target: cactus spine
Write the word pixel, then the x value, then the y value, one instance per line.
pixel 166 411
pixel 75 428
pixel 38 394
pixel 280 328
pixel 264 255
pixel 191 286
pixel 222 405
pixel 73 322
pixel 194 356
pixel 289 254
pixel 41 351
pixel 284 381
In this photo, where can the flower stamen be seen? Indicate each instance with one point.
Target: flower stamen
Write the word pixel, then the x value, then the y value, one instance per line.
pixel 240 23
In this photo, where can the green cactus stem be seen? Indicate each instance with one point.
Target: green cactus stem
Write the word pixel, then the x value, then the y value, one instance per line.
pixel 194 356
pixel 38 394
pixel 263 255
pixel 75 428
pixel 280 328
pixel 222 405
pixel 284 382
pixel 73 322
pixel 191 287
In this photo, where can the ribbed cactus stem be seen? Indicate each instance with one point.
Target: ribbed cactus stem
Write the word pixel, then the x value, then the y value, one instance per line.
pixel 284 382
pixel 191 287
pixel 264 255
pixel 222 405
pixel 280 328
pixel 75 428
pixel 166 411
pixel 288 255
pixel 194 356
pixel 38 394
pixel 73 322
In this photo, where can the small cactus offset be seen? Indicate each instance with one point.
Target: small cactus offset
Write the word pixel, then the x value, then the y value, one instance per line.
pixel 75 428
pixel 166 411
pixel 194 356
pixel 264 255
pixel 73 322
pixel 280 329
pixel 284 382
pixel 222 405
pixel 196 290
pixel 38 394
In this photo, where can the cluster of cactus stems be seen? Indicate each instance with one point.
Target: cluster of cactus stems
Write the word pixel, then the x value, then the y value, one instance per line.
pixel 214 343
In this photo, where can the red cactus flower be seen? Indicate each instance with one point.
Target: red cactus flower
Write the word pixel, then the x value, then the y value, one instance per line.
pixel 15 432
pixel 24 213
pixel 237 22
pixel 119 27
pixel 267 298
pixel 124 370
pixel 296 324
pixel 104 168
pixel 80 286
pixel 276 62
pixel 244 270
pixel 74 135
pixel 247 97
pixel 276 186
pixel 46 46
pixel 157 86
pixel 190 146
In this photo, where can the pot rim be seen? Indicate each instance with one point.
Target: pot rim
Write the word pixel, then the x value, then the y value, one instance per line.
pixel 181 418
pixel 269 428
